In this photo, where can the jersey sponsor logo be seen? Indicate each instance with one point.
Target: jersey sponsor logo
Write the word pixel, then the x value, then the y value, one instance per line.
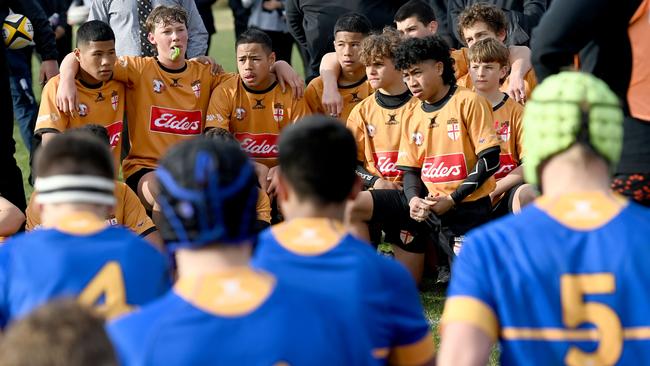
pixel 114 133
pixel 444 168
pixel 503 130
pixel 371 130
pixel 240 113
pixel 392 119
pixel 196 88
pixel 506 165
pixel 259 145
pixel 355 97
pixel 176 83
pixel 258 104
pixel 416 138
pixel 278 112
pixel 83 110
pixel 115 100
pixel 100 97
pixel 386 162
pixel 453 129
pixel 175 121
pixel 433 123
pixel 158 86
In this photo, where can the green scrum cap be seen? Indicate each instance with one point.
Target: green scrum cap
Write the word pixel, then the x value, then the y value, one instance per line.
pixel 567 108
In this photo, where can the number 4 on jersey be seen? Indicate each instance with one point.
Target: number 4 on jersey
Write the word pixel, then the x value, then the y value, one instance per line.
pixel 109 284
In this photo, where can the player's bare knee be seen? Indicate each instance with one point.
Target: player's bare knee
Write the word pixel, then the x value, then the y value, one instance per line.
pixel 524 195
pixel 148 190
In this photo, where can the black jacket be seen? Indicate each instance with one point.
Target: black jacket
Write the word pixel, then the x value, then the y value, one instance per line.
pixel 205 10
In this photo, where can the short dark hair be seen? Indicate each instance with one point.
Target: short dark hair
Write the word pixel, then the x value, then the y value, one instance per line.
pixel 318 157
pixel 224 192
pixel 254 35
pixel 415 50
pixel 165 15
pixel 489 14
pixel 416 8
pixel 62 332
pixel 353 23
pixel 74 153
pixel 94 31
pixel 96 130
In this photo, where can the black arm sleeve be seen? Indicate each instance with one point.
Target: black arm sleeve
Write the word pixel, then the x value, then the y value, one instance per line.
pixel 367 178
pixel 43 33
pixel 486 165
pixel 412 183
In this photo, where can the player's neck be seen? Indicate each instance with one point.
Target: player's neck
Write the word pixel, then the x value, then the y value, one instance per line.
pixel 438 95
pixel 264 85
pixel 212 259
pixel 172 65
pixel 351 77
pixel 86 78
pixel 301 210
pixel 394 89
pixel 562 176
pixel 53 214
pixel 494 96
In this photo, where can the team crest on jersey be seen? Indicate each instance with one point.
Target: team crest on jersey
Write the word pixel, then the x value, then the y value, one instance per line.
pixel 406 237
pixel 503 130
pixel 278 112
pixel 100 97
pixel 158 86
pixel 453 129
pixel 111 220
pixel 123 61
pixel 258 104
pixel 176 83
pixel 371 130
pixel 433 123
pixel 196 88
pixel 83 110
pixel 115 100
pixel 416 138
pixel 392 119
pixel 355 97
pixel 240 113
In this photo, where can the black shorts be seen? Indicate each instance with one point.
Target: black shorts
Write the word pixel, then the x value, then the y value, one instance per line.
pixel 391 210
pixel 134 179
pixel 504 205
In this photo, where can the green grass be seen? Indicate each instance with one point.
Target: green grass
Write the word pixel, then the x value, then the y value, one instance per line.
pixel 223 50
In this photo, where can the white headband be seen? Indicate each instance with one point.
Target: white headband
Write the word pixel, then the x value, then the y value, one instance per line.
pixel 75 189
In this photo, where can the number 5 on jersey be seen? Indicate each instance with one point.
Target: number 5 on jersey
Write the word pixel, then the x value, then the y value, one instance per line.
pixel 109 284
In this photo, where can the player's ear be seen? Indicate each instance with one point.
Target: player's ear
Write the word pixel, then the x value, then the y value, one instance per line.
pixel 151 39
pixel 282 189
pixel 501 36
pixel 272 58
pixel 503 72
pixel 433 26
pixel 440 67
pixel 356 188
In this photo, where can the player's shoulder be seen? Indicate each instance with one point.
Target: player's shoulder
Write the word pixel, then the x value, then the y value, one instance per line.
pixel 53 83
pixel 316 84
pixel 513 106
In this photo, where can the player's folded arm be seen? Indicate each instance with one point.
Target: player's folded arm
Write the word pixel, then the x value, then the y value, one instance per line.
pixel 411 181
pixel 486 165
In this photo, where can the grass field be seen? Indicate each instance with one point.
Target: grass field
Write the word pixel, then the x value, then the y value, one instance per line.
pixel 222 49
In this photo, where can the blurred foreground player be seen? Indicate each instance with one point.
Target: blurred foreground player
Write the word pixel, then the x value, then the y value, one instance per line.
pixel 221 311
pixel 79 254
pixel 373 295
pixel 564 282
pixel 60 333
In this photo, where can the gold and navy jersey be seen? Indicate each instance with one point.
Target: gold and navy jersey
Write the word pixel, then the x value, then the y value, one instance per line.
pixel 374 296
pixel 128 212
pixel 165 106
pixel 254 117
pixel 237 317
pixel 107 267
pixel 443 141
pixel 352 94
pixel 507 124
pixel 101 104
pixel 376 124
pixel 564 282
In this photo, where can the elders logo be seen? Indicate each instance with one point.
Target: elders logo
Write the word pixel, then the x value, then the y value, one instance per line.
pixel 507 164
pixel 444 168
pixel 259 145
pixel 114 133
pixel 386 163
pixel 175 121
